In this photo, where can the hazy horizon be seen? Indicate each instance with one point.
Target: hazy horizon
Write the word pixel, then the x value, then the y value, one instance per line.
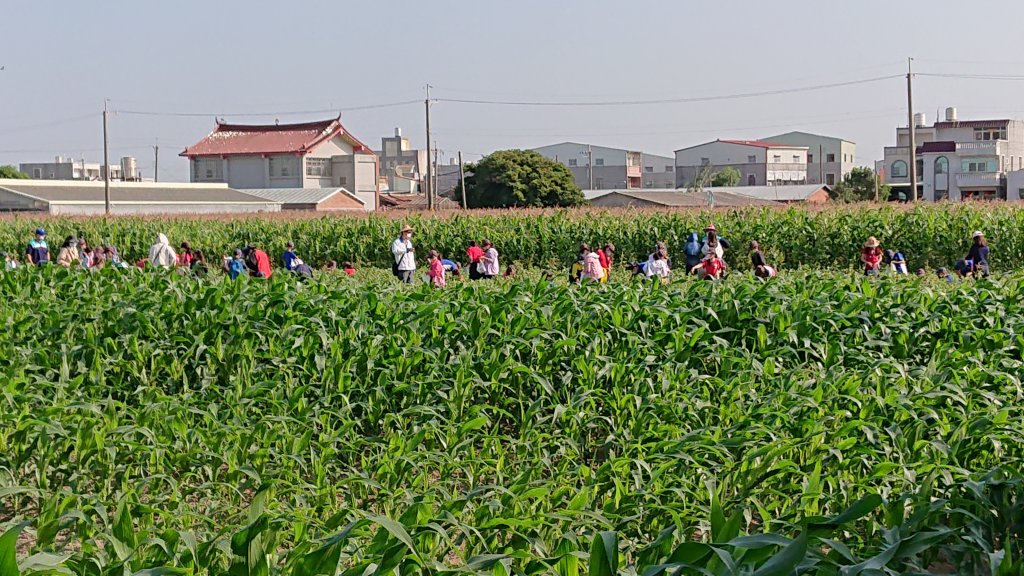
pixel 230 58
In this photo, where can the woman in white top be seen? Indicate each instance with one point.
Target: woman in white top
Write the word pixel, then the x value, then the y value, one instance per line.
pixel 658 266
pixel 404 255
pixel 488 266
pixel 162 253
pixel 712 243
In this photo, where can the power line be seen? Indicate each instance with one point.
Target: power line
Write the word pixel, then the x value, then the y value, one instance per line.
pixel 971 76
pixel 59 122
pixel 251 114
pixel 673 100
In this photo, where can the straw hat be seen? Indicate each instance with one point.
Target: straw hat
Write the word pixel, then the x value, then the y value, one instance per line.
pixel 406 228
pixel 711 228
pixel 871 243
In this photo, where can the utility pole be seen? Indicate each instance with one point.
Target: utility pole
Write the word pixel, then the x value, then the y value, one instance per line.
pixel 426 180
pixel 433 184
pixel 106 163
pixel 875 174
pixel 462 180
pixel 913 139
pixel 590 166
pixel 156 162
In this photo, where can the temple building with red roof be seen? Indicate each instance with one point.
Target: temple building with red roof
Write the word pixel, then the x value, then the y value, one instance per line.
pixel 759 163
pixel 308 155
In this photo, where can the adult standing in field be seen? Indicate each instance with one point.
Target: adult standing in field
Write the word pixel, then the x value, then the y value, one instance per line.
pixel 871 256
pixel 712 243
pixel 404 255
pixel 162 253
pixel 489 266
pixel 38 252
pixel 474 253
pixel 68 255
pixel 896 261
pixel 257 262
pixel 759 263
pixel 607 255
pixel 976 261
pixel 692 251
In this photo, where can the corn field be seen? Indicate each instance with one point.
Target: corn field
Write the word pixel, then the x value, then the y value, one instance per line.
pixel 929 236
pixel 822 423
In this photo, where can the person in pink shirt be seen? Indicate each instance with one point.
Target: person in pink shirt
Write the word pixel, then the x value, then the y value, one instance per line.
pixel 436 270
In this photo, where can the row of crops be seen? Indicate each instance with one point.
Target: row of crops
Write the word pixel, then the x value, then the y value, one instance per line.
pixel 819 424
pixel 929 236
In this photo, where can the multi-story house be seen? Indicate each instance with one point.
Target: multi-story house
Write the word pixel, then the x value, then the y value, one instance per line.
pixel 298 156
pixel 956 159
pixel 759 163
pixel 400 164
pixel 604 168
pixel 69 169
pixel 829 159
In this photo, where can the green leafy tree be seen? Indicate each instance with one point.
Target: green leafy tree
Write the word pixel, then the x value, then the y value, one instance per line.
pixel 522 178
pixel 859 186
pixel 12 172
pixel 727 176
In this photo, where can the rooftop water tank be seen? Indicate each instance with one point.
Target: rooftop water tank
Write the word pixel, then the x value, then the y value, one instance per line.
pixel 951 114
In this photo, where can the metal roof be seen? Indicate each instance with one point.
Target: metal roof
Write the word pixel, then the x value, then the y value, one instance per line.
pixel 787 193
pixel 83 192
pixel 299 195
pixel 685 199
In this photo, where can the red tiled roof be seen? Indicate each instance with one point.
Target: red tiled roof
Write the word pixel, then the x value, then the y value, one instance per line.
pixel 243 139
pixel 758 143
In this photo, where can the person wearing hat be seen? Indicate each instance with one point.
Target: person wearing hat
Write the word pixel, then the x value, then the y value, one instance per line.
pixel 404 255
pixel 712 243
pixel 977 256
pixel 38 252
pixel 257 262
pixel 871 256
pixel 162 254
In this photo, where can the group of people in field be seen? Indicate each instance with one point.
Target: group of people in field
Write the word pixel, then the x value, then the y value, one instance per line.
pixel 974 264
pixel 76 252
pixel 703 257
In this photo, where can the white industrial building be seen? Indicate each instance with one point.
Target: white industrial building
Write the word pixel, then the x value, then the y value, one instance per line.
pixel 604 168
pixel 956 159
pixel 759 163
pixel 88 198
pixel 829 159
pixel 63 168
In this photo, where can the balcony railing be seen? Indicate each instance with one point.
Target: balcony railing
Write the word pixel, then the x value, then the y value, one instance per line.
pixel 778 166
pixel 979 179
pixel 897 150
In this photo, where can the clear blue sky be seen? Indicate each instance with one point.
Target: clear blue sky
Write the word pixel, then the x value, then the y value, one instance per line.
pixel 63 58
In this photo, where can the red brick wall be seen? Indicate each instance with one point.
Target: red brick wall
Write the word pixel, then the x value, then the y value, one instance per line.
pixel 340 201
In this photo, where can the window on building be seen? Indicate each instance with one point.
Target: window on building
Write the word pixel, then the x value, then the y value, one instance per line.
pixel 941 165
pixel 920 167
pixel 978 165
pixel 37 173
pixel 599 183
pixel 648 168
pixel 830 157
pixel 899 169
pixel 343 181
pixel 830 179
pixel 796 158
pixel 598 161
pixel 751 159
pixel 670 168
pixel 321 167
pixel 284 166
pixel 810 158
pixel 705 161
pixel 777 158
pixel 209 169
pixel 990 133
pixel 751 180
pixel 573 162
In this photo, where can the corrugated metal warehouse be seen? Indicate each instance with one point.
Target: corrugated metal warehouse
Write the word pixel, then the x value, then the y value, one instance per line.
pixel 72 197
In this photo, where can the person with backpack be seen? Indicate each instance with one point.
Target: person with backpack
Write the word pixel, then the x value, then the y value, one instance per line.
pixel 404 256
pixel 235 267
pixel 38 252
